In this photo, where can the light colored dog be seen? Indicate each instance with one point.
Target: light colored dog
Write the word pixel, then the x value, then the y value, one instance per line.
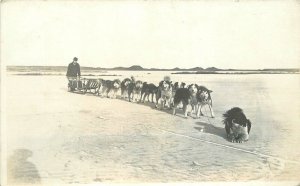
pixel 164 95
pixel 193 89
pixel 124 87
pixel 204 98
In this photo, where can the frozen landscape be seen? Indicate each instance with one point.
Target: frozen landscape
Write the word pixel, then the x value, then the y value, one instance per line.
pixel 58 137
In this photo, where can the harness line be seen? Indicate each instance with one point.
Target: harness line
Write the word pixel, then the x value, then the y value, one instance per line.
pixel 229 147
pixel 208 117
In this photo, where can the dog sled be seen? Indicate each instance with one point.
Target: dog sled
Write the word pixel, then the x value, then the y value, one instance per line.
pixel 83 85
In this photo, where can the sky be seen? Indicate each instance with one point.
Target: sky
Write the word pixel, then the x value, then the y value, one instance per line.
pixel 158 34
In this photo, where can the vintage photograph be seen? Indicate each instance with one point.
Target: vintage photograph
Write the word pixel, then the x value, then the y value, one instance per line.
pixel 157 92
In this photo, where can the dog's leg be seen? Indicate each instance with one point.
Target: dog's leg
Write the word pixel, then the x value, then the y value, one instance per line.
pixel 157 96
pixel 162 104
pixel 144 97
pixel 103 91
pixel 128 95
pixel 141 97
pixel 122 93
pixel 156 104
pixel 174 109
pixel 133 97
pixel 107 92
pixel 193 109
pixel 201 110
pixel 185 110
pixel 97 90
pixel 211 111
pixel 198 111
pixel 112 94
pixel 170 103
pixel 227 128
pixel 115 93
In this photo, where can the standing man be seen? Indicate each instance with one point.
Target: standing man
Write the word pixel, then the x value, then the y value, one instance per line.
pixel 73 73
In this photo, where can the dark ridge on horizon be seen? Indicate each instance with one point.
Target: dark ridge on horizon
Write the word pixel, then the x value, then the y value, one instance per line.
pixel 139 68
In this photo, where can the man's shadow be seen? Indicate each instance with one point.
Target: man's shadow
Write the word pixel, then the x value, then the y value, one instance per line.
pixel 20 170
pixel 210 129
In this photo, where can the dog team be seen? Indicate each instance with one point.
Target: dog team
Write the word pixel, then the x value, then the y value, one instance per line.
pixel 168 95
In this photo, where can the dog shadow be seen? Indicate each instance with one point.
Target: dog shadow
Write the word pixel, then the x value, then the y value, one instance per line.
pixel 152 105
pixel 210 129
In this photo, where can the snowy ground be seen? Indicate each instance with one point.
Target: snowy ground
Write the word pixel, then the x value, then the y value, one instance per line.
pixel 56 137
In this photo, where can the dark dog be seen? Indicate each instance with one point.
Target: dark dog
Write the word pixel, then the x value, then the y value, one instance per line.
pixel 175 87
pixel 204 98
pixel 109 86
pixel 124 87
pixel 182 95
pixel 237 126
pixel 134 90
pixel 148 89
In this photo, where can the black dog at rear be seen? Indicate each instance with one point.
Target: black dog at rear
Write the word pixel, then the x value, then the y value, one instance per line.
pixel 237 126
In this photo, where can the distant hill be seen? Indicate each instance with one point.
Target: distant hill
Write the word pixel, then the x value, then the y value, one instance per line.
pixel 136 67
pixel 212 69
pixel 140 68
pixel 196 69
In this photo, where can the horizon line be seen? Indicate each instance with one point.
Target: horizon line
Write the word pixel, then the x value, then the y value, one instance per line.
pixel 154 67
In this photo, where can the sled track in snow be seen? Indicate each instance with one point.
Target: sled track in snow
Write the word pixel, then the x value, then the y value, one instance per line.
pixel 227 146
